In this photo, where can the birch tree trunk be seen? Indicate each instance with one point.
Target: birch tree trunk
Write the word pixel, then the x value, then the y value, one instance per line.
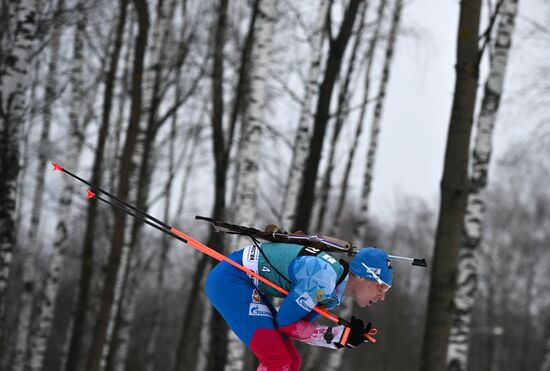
pixel 143 155
pixel 119 282
pixel 189 337
pixel 334 230
pixel 13 85
pixel 25 306
pixel 337 49
pixel 361 223
pixel 255 116
pixel 189 165
pixel 218 328
pixel 240 104
pixel 360 228
pixel 152 341
pixel 114 141
pixel 118 340
pixel 242 92
pixel 186 355
pixel 33 105
pixel 457 352
pixel 86 269
pixel 182 350
pixel 341 117
pixel 49 99
pixel 300 149
pixel 47 301
pixel 254 121
pixel 454 191
pixel 126 168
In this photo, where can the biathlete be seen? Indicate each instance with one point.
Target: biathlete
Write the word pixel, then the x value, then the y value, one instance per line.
pixel 312 278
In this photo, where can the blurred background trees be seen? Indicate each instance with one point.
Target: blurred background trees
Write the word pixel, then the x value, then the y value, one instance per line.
pixel 257 112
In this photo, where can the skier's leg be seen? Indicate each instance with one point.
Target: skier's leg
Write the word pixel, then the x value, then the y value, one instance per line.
pixel 293 352
pixel 249 315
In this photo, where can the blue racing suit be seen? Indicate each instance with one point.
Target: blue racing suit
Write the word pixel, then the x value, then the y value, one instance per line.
pixel 311 277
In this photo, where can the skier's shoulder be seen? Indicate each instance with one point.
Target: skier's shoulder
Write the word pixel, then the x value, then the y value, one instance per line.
pixel 313 268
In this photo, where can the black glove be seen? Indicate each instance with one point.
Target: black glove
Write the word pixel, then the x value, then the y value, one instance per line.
pixel 355 337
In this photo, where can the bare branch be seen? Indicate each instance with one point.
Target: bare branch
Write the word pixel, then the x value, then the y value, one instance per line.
pixel 486 36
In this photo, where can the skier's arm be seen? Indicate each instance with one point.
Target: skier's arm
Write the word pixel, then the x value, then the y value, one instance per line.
pixel 313 334
pixel 312 279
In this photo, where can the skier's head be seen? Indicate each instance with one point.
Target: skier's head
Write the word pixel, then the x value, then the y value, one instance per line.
pixel 371 276
pixel 373 264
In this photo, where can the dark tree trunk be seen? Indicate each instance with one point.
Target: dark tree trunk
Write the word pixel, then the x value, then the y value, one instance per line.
pixel 188 343
pixel 126 169
pixel 146 170
pixel 186 350
pixel 218 328
pixel 341 117
pixel 86 268
pixel 454 191
pixel 334 62
pixel 239 103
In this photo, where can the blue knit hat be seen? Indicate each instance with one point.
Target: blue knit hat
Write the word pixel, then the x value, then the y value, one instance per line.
pixel 373 264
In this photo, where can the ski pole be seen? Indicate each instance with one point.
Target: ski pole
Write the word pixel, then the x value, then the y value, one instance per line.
pixel 172 231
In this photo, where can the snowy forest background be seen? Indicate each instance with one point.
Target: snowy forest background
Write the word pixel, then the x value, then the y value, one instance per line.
pixel 260 112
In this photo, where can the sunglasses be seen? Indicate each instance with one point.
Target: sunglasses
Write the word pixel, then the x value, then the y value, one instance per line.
pixel 376 277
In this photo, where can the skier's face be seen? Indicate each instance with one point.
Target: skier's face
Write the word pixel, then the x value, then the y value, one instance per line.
pixel 368 292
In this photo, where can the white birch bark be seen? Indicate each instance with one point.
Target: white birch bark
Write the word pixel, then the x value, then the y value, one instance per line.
pixel 457 351
pixel 362 220
pixel 359 233
pixel 25 311
pixel 121 273
pixel 301 140
pixel 255 115
pixel 126 312
pixel 254 122
pixel 13 85
pixel 46 304
pixel 335 227
pixel 33 105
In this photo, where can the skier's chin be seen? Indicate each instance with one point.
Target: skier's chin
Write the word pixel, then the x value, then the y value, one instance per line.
pixel 367 304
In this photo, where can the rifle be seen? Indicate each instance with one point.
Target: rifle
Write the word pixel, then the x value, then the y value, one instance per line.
pixel 273 234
